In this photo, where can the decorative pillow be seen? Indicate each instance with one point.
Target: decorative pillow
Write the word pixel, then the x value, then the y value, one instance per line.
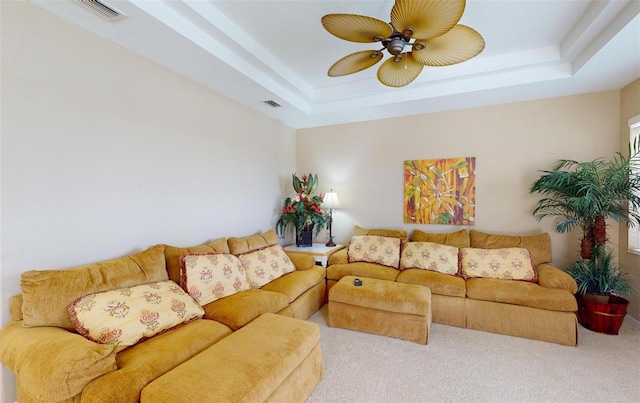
pixel 459 239
pixel 207 277
pixel 430 256
pixel 173 255
pixel 46 294
pixel 125 316
pixel 539 245
pixel 265 265
pixel 502 263
pixel 375 249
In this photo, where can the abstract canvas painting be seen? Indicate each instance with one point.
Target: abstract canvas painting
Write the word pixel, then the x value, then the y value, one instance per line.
pixel 440 191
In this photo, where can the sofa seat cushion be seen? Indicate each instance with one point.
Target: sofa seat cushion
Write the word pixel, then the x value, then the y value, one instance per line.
pixel 273 359
pixel 46 294
pixel 239 309
pixel 297 282
pixel 370 270
pixel 439 283
pixel 521 293
pixel 52 364
pixel 141 364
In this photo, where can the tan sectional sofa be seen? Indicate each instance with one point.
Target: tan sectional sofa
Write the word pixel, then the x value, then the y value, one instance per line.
pixel 542 310
pixel 53 363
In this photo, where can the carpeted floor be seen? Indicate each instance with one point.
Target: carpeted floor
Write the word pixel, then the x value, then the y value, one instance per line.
pixel 462 365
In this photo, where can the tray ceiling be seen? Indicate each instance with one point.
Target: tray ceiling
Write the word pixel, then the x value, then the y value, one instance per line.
pixel 257 51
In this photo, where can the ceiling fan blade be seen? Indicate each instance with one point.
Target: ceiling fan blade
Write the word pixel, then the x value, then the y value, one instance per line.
pixel 355 62
pixel 460 44
pixel 356 28
pixel 426 18
pixel 401 73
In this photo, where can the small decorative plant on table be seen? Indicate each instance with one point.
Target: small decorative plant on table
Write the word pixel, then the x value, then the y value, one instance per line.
pixel 584 195
pixel 302 213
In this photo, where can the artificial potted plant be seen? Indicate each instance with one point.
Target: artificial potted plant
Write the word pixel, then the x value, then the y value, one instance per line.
pixel 302 213
pixel 584 195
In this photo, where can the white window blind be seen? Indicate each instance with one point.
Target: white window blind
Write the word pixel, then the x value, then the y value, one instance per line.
pixel 634 232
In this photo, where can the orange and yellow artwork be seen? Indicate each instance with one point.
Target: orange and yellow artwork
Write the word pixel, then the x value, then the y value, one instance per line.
pixel 440 191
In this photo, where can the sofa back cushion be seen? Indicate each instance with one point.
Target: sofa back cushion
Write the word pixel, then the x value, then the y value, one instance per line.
pixel 393 233
pixel 501 263
pixel 382 250
pixel 430 256
pixel 539 246
pixel 125 316
pixel 207 277
pixel 46 294
pixel 172 255
pixel 459 239
pixel 247 244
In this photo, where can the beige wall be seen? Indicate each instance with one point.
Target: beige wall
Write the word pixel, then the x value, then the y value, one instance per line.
pixel 629 107
pixel 363 162
pixel 105 153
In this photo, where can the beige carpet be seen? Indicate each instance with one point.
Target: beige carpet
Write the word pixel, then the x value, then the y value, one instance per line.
pixel 462 365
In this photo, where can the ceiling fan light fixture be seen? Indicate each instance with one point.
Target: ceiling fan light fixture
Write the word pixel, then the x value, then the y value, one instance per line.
pixel 418 45
pixel 408 32
pixel 429 28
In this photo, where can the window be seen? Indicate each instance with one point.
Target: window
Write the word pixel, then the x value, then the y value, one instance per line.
pixel 634 232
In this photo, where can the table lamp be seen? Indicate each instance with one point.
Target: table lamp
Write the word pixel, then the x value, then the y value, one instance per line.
pixel 331 202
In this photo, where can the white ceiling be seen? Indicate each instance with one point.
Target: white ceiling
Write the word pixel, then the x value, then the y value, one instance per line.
pixel 258 50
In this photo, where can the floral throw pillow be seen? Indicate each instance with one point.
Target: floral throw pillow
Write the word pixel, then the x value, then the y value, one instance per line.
pixel 207 277
pixel 375 249
pixel 430 256
pixel 125 316
pixel 500 263
pixel 265 265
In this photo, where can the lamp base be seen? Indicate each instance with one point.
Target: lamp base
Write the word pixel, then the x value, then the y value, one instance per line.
pixel 330 243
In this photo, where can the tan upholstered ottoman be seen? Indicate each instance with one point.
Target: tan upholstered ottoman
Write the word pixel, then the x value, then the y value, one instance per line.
pixel 272 359
pixel 381 307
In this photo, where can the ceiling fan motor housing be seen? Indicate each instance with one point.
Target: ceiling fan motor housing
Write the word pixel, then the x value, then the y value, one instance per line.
pixel 395 44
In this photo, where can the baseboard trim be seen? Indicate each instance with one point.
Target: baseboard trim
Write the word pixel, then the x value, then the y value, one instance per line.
pixel 632 321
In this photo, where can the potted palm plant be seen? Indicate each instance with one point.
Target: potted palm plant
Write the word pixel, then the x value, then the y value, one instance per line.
pixel 584 195
pixel 302 213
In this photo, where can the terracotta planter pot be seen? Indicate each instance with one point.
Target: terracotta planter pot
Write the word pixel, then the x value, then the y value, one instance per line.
pixel 602 316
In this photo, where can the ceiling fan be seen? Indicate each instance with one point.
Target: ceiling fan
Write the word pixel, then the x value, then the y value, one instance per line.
pixel 429 29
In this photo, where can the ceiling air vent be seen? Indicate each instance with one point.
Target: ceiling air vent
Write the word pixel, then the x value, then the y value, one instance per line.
pixel 106 12
pixel 272 103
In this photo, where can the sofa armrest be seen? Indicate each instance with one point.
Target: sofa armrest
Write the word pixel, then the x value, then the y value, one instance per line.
pixel 340 257
pixel 51 363
pixel 301 261
pixel 552 277
pixel 15 307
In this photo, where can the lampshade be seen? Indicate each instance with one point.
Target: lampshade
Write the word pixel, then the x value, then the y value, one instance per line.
pixel 331 200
